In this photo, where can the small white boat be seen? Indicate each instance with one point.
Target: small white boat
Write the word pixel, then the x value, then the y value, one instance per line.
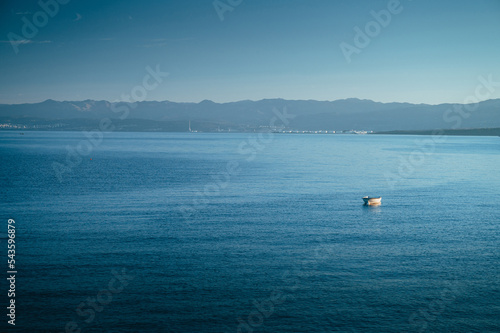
pixel 372 201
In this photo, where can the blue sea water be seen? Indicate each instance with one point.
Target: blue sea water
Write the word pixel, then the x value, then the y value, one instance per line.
pixel 198 232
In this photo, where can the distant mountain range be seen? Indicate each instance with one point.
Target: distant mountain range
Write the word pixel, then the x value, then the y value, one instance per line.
pixel 247 115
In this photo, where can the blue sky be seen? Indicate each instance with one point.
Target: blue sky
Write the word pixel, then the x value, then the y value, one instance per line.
pixel 430 52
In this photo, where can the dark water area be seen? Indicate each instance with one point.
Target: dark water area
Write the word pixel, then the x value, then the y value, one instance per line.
pixel 195 232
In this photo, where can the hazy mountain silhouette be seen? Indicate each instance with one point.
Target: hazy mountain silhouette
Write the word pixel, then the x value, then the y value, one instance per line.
pixel 250 115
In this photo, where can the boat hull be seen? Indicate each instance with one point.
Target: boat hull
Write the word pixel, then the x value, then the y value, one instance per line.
pixel 372 201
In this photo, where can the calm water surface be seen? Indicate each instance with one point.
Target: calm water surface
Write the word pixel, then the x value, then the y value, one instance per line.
pixel 236 233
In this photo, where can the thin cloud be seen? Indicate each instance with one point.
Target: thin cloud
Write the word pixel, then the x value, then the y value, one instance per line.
pixel 160 42
pixel 27 41
pixel 23 41
pixel 155 42
pixel 154 45
pixel 100 39
pixel 182 39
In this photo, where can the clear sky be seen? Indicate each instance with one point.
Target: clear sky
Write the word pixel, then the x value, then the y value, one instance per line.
pixel 430 52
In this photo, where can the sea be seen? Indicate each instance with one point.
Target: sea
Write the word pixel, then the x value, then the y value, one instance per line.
pixel 249 232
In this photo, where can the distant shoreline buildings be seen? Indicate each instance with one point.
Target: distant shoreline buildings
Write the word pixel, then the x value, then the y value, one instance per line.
pixel 324 132
pixel 60 126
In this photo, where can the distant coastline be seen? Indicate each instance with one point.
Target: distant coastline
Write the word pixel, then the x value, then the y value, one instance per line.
pixel 166 129
pixel 464 131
